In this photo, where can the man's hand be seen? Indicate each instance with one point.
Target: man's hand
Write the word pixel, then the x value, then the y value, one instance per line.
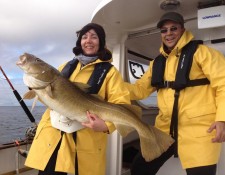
pixel 219 126
pixel 95 123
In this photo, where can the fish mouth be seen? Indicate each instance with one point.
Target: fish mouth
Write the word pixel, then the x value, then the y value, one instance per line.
pixel 22 60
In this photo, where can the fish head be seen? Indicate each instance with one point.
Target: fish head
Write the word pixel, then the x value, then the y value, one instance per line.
pixel 36 68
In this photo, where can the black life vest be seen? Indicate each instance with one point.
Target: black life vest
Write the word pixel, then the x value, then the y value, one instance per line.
pixel 183 70
pixel 97 77
pixel 181 81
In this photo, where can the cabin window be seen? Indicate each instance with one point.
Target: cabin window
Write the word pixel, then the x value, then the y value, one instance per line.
pixel 137 64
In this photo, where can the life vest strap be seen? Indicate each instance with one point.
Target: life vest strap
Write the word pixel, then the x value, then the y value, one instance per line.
pixel 190 83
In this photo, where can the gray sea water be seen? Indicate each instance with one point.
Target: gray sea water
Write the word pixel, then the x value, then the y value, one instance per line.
pixel 14 122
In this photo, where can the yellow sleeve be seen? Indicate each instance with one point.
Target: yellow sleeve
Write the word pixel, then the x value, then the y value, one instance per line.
pixel 142 88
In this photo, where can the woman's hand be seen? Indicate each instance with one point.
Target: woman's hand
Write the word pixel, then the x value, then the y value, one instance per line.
pixel 95 123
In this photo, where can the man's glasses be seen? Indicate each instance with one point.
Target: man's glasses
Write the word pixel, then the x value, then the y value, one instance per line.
pixel 172 29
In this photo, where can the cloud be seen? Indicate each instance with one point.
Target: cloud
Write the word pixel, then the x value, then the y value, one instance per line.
pixel 45 28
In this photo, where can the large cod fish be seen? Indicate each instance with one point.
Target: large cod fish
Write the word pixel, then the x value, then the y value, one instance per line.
pixel 68 99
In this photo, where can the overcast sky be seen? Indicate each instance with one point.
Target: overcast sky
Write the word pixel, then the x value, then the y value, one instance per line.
pixel 45 28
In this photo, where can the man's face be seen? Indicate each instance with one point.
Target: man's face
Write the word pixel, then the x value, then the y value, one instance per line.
pixel 171 33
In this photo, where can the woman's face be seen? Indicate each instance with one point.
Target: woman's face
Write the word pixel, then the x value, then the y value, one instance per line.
pixel 171 33
pixel 90 43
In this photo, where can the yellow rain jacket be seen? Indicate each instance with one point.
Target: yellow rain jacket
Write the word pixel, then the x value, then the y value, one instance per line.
pixel 91 145
pixel 198 106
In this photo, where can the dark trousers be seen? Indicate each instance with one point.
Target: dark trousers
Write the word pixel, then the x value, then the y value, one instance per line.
pixel 141 167
pixel 50 168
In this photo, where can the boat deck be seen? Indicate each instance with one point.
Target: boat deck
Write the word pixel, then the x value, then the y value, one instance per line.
pixel 30 172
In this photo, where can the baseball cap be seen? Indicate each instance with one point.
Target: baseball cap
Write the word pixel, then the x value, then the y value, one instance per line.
pixel 171 16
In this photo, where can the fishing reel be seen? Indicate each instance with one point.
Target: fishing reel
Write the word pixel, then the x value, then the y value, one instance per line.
pixel 31 131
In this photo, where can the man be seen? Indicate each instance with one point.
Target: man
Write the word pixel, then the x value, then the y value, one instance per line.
pixel 190 80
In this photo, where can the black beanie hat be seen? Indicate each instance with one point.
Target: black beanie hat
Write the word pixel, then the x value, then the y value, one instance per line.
pixel 101 35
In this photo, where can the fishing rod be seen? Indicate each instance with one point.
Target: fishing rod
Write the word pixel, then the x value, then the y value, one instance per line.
pixel 20 100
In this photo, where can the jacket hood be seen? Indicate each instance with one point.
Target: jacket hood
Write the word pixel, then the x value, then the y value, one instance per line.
pixel 185 38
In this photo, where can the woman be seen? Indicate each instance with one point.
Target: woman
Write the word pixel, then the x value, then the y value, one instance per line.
pixel 52 151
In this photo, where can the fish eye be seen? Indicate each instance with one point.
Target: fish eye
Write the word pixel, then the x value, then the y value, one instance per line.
pixel 37 60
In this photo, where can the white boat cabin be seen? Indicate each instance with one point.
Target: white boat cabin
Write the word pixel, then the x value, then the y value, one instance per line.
pixel 134 40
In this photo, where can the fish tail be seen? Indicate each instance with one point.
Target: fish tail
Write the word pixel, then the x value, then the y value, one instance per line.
pixel 164 140
pixel 156 143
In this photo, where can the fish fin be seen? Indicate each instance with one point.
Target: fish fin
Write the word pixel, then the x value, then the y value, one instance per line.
pixel 97 96
pixel 41 101
pixel 34 103
pixel 133 108
pixel 164 140
pixel 29 95
pixel 123 130
pixel 49 91
pixel 82 86
pixel 156 143
pixel 86 88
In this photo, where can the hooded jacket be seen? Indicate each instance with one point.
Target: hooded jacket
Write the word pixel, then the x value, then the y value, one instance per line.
pixel 90 145
pixel 198 107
